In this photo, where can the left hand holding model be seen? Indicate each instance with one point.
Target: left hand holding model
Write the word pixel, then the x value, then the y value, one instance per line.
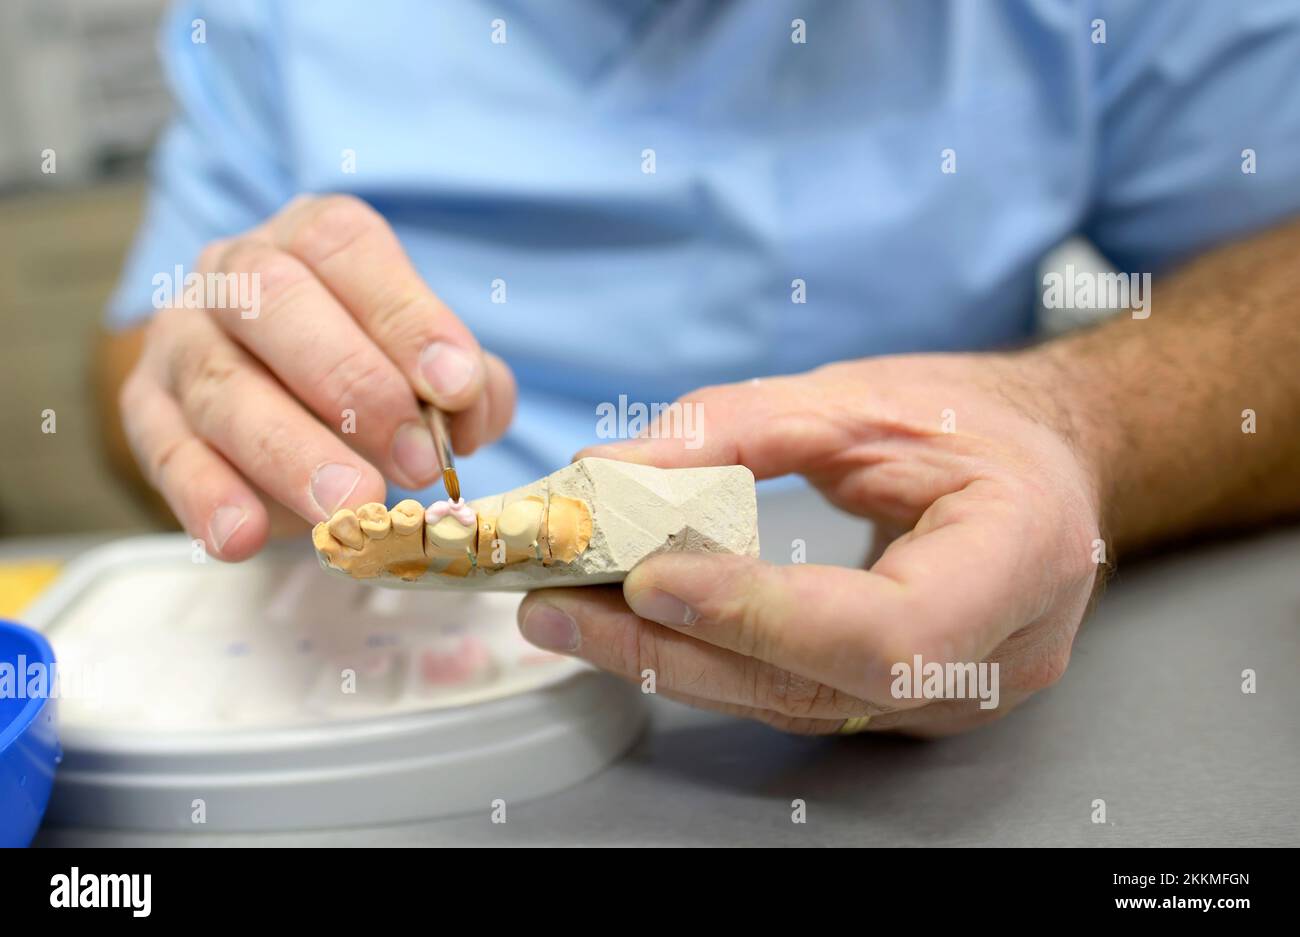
pixel 999 551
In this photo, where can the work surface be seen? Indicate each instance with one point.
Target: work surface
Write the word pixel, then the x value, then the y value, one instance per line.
pixel 1150 718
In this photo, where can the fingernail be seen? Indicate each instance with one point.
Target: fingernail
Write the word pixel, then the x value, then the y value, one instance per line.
pixel 657 605
pixel 447 369
pixel 547 627
pixel 331 484
pixel 414 453
pixel 225 521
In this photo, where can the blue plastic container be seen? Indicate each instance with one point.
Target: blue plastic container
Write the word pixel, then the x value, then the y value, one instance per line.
pixel 29 739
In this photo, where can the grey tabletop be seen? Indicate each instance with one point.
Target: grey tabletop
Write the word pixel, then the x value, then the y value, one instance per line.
pixel 1151 719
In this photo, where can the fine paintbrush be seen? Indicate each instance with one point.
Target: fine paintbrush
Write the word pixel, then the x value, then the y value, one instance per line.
pixel 442 442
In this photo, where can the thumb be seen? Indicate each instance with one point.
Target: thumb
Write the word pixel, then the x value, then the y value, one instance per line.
pixel 775 426
pixel 841 627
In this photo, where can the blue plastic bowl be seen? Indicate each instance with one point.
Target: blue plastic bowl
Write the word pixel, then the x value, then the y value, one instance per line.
pixel 29 739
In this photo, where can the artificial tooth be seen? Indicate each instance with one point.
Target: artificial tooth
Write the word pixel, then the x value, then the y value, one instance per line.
pixel 346 529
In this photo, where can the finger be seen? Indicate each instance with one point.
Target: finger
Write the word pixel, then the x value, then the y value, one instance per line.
pixel 355 253
pixel 940 718
pixel 502 394
pixel 233 404
pixel 320 353
pixel 469 427
pixel 882 535
pixel 950 593
pixel 208 497
pixel 284 524
pixel 596 625
pixel 488 417
pixel 1031 660
pixel 775 426
pixel 795 725
pixel 840 627
pixel 932 721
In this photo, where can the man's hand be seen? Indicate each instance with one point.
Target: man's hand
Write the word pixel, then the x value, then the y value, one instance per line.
pixel 316 400
pixel 1163 427
pixel 997 563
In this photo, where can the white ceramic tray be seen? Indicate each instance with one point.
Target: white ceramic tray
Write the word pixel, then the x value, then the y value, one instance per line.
pixel 267 695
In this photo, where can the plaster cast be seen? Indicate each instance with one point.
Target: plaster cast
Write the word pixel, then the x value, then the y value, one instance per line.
pixel 396 547
pixel 588 523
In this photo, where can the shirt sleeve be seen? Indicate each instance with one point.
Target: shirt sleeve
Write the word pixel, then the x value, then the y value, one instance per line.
pixel 218 168
pixel 1198 126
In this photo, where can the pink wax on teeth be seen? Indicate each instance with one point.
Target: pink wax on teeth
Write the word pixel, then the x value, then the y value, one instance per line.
pixel 464 514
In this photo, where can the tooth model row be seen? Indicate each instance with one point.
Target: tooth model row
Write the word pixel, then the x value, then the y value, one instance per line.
pixel 588 523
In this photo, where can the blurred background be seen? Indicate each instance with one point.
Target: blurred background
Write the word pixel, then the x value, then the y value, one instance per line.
pixel 80 79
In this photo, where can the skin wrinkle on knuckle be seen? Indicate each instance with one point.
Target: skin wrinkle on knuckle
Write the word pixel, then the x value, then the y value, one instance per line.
pixel 749 638
pixel 287 287
pixel 277 272
pixel 331 226
pixel 1046 670
pixel 687 683
pixel 204 384
pixel 271 449
pixel 758 678
pixel 778 689
pixel 361 378
pixel 798 696
pixel 402 322
pixel 163 459
pixel 632 650
pixel 828 699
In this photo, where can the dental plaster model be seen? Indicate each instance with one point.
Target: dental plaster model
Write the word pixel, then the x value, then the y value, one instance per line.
pixel 586 524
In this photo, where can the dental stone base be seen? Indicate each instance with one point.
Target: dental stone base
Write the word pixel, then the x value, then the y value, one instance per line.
pixel 588 523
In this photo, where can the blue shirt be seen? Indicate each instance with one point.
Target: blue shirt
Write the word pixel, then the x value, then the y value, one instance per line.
pixel 524 163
